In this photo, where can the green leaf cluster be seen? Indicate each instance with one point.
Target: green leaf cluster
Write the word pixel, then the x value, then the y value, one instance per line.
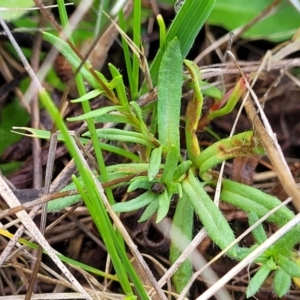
pixel 166 163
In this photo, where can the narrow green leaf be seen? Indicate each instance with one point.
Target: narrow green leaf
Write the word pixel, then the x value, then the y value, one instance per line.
pixel 130 298
pixel 94 113
pixel 257 280
pixel 289 266
pixel 183 221
pixel 282 282
pixel 128 169
pixel 182 169
pixel 122 136
pixel 285 245
pixel 154 164
pixel 92 200
pixel 72 58
pixel 44 134
pixel 120 87
pixel 149 211
pixel 162 32
pixel 258 232
pixel 113 118
pixel 242 144
pixel 141 182
pixel 88 96
pixel 116 81
pixel 251 199
pixel 193 112
pixel 141 124
pixel 170 165
pixel 211 91
pixel 126 52
pixel 234 97
pixel 164 200
pixel 212 219
pixel 169 95
pixel 175 188
pixel 61 203
pixel 135 203
pixel 137 41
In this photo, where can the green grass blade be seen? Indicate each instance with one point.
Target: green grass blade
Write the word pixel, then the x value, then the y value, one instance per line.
pixel 94 113
pixel 72 57
pixel 115 247
pixel 120 87
pixel 126 52
pixel 137 42
pixel 185 27
pixel 112 238
pixel 86 107
pixel 105 232
pixel 86 177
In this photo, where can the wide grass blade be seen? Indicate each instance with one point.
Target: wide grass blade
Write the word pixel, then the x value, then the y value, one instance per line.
pixel 169 95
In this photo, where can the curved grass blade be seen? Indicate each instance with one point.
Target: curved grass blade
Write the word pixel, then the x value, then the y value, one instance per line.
pixel 185 27
pixel 75 61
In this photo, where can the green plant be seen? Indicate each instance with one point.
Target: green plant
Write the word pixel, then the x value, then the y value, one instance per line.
pixel 280 25
pixel 11 10
pixel 162 172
